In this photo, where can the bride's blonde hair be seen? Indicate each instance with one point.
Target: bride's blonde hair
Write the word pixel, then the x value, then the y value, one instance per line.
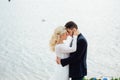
pixel 56 37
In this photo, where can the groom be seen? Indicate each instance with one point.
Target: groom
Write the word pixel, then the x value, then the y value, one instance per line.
pixel 77 60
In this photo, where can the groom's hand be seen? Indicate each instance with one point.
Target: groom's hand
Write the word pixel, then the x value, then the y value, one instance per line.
pixel 58 60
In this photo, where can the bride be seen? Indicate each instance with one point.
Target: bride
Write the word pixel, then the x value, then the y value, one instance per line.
pixel 62 50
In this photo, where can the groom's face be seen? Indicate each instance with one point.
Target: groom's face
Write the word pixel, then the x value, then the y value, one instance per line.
pixel 70 31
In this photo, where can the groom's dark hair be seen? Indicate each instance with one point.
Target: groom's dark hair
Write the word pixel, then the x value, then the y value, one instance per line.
pixel 71 25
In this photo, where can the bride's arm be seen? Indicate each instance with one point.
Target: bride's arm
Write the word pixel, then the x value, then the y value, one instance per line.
pixel 67 48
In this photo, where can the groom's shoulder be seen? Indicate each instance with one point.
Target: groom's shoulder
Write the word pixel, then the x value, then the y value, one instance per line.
pixel 81 38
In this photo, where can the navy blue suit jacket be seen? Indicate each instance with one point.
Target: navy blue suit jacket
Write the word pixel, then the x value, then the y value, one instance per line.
pixel 77 60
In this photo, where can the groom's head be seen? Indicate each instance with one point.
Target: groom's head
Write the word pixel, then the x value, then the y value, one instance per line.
pixel 70 26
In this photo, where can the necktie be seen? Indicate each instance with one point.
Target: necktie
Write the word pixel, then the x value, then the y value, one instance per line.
pixel 71 43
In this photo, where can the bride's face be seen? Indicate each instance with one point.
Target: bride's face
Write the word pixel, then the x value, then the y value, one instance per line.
pixel 64 36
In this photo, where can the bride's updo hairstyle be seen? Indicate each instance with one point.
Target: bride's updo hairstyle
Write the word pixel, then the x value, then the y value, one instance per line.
pixel 56 37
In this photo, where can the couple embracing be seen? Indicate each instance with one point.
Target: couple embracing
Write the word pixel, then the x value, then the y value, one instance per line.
pixel 71 59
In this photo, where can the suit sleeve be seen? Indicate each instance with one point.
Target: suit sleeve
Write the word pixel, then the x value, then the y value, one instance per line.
pixel 81 47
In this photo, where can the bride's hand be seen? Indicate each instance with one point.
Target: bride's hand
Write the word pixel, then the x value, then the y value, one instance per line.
pixel 75 32
pixel 58 60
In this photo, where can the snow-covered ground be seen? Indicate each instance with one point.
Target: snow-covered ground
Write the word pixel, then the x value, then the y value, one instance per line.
pixel 26 27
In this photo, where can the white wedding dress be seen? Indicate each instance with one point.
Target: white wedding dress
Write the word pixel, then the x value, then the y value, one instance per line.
pixel 62 51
